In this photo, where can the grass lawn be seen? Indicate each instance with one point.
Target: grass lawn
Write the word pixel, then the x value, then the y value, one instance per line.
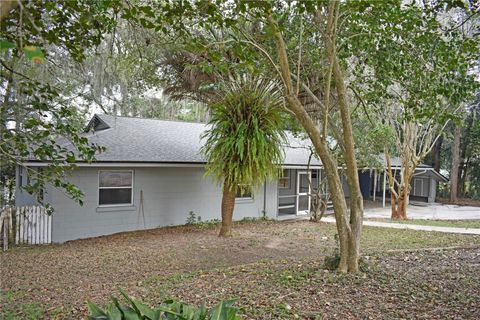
pixel 274 269
pixel 474 224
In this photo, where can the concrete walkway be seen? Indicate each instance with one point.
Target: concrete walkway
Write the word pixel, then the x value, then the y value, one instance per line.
pixel 433 211
pixel 413 227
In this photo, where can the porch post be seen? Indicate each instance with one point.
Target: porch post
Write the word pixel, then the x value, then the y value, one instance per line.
pixel 374 183
pixel 384 187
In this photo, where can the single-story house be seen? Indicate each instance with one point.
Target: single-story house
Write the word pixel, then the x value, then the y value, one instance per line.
pixel 152 174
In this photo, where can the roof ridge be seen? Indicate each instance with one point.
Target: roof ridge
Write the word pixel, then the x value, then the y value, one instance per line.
pixel 153 119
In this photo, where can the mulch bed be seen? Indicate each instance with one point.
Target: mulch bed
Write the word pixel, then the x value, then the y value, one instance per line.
pixel 274 269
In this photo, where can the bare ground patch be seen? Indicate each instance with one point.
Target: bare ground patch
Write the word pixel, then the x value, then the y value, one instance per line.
pixel 273 268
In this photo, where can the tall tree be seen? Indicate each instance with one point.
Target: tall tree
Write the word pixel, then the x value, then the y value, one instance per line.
pixel 348 228
pixel 244 144
pixel 35 109
pixel 406 72
pixel 469 173
pixel 263 49
pixel 455 164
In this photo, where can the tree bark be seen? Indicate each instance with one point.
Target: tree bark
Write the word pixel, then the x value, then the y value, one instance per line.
pixel 464 159
pixel 349 239
pixel 462 176
pixel 436 154
pixel 391 181
pixel 404 193
pixel 455 165
pixel 228 205
pixel 408 144
pixel 321 147
pixel 356 199
pixel 401 213
pixel 393 205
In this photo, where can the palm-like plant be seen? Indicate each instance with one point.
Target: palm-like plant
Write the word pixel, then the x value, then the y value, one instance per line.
pixel 244 143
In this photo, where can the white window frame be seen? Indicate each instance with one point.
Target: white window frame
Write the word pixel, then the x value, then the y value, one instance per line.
pixel 287 177
pixel 244 197
pixel 119 204
pixel 303 194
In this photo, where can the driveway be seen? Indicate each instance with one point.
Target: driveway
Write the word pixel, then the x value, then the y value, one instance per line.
pixel 434 211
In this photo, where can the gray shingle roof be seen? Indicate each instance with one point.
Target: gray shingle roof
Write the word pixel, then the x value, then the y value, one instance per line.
pixel 396 162
pixel 140 140
pixel 163 141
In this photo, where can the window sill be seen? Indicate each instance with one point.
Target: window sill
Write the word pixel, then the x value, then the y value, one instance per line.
pixel 244 200
pixel 116 208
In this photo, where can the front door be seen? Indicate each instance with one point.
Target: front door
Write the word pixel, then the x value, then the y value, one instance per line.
pixel 303 191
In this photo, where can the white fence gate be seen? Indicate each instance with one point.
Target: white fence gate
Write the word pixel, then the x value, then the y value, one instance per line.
pixel 25 225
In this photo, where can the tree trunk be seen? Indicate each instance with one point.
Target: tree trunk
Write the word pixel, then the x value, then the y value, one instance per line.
pixel 436 154
pixel 321 147
pixel 401 213
pixel 462 176
pixel 403 192
pixel 455 165
pixel 403 195
pixel 228 204
pixel 356 199
pixel 333 178
pixel 393 205
pixel 391 182
pixel 349 239
pixel 410 159
pixel 465 140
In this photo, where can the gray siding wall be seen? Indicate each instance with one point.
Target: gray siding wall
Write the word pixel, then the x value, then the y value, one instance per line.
pixel 169 194
pixel 22 197
pixel 420 186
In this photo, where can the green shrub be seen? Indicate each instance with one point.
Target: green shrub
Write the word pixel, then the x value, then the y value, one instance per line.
pixel 208 224
pixel 169 310
pixel 192 218
pixel 264 217
pixel 249 219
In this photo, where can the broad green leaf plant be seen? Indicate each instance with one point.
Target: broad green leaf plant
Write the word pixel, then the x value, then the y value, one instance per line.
pixel 133 309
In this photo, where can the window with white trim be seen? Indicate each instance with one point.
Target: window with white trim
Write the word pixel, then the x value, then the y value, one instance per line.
pixel 246 193
pixel 284 180
pixel 115 187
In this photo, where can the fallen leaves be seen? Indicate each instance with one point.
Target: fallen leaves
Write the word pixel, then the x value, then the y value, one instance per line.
pixel 270 267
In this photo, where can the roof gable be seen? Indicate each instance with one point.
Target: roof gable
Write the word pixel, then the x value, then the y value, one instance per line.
pixel 96 124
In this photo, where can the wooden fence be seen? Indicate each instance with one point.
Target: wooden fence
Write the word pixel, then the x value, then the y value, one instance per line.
pixel 25 225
